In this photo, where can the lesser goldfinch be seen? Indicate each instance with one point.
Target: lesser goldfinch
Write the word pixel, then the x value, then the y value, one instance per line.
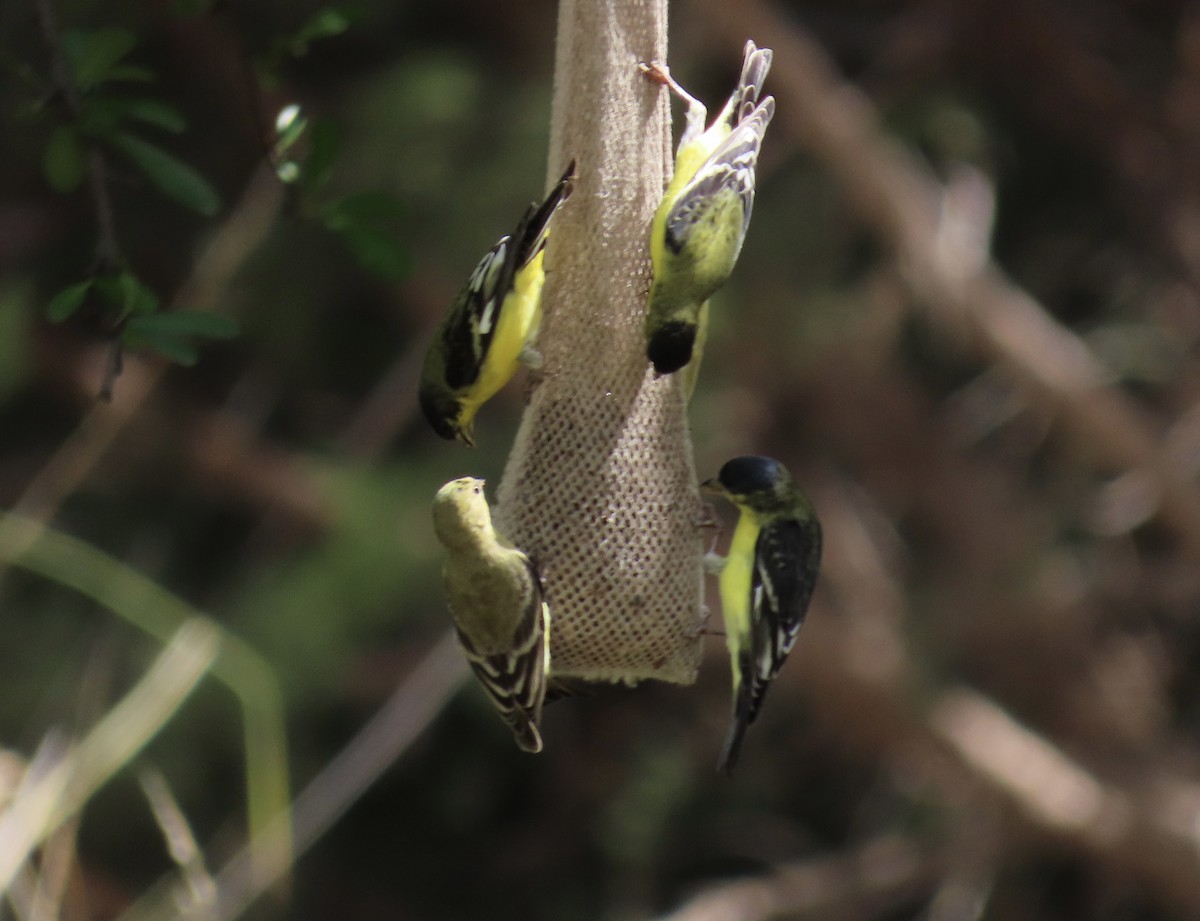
pixel 490 327
pixel 496 599
pixel 767 580
pixel 698 229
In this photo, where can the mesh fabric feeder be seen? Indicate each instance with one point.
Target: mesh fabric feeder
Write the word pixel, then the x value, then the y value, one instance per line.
pixel 600 487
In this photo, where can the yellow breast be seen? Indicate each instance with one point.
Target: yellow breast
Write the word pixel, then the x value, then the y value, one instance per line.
pixel 520 317
pixel 735 584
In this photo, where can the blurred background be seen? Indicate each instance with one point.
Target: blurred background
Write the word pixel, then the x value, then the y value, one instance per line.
pixel 966 317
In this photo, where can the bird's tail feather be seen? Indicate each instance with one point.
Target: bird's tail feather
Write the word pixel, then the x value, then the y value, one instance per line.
pixel 743 714
pixel 732 747
pixel 525 731
pixel 756 63
pixel 537 222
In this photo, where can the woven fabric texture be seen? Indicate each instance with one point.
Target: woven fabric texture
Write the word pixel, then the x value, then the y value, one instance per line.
pixel 600 487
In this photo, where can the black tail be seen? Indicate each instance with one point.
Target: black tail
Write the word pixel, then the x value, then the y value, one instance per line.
pixel 525 731
pixel 732 747
pixel 742 717
pixel 531 233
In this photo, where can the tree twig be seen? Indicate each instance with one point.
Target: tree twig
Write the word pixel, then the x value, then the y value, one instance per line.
pixel 238 236
pixel 108 253
pixel 107 250
pixel 865 882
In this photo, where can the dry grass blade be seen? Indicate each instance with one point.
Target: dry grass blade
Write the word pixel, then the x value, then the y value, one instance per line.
pixel 181 842
pixel 46 801
pixel 402 718
pixel 151 608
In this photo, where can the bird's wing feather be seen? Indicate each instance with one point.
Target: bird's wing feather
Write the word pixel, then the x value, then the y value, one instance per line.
pixel 471 320
pixel 475 314
pixel 781 587
pixel 515 679
pixel 730 170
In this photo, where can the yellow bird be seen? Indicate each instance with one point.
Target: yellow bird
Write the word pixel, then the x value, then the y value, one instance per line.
pixel 490 328
pixel 700 225
pixel 767 580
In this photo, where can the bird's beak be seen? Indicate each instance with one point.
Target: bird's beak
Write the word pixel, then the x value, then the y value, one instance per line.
pixel 466 436
pixel 713 487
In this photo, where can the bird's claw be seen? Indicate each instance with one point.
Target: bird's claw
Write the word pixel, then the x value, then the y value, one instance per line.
pixel 656 72
pixel 660 73
pixel 708 518
pixel 531 357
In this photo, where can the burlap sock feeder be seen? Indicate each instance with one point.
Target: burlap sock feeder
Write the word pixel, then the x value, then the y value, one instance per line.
pixel 600 488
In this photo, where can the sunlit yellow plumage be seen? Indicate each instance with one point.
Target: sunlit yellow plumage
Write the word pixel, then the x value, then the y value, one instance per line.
pixel 767 580
pixel 697 232
pixel 492 324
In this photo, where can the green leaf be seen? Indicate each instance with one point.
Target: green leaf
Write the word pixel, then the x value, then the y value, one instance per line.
pixel 324 143
pixel 150 112
pixel 67 301
pixel 171 334
pixel 378 251
pixel 171 176
pixel 94 55
pixel 188 323
pixel 102 116
pixel 174 347
pixel 323 24
pixel 63 161
pixel 126 293
pixel 98 119
pixel 138 298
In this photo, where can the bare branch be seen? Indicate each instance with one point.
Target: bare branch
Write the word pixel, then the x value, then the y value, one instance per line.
pixel 865 882
pixel 904 204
